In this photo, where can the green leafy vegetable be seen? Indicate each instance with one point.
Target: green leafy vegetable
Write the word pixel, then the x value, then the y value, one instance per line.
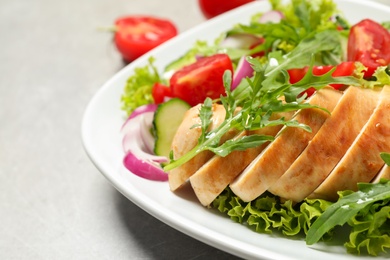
pixel 386 158
pixel 310 15
pixel 206 112
pixel 302 54
pixel 386 25
pixel 241 144
pixel 380 77
pixel 138 89
pixel 302 18
pixel 366 210
pixel 268 214
pixel 370 230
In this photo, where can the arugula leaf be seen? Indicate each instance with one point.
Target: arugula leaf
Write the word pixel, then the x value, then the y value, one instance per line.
pixel 386 158
pixel 347 207
pixel 205 118
pixel 302 54
pixel 276 35
pixel 241 144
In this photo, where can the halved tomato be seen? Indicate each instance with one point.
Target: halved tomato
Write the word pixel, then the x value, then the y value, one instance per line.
pixel 204 78
pixel 136 35
pixel 369 43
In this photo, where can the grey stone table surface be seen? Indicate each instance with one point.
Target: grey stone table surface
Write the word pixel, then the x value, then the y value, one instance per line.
pixel 54 204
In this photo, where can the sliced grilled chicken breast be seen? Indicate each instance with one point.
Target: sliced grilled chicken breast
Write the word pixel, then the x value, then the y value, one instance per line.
pixel 362 160
pixel 186 138
pixel 216 174
pixel 328 146
pixel 281 153
pixel 383 174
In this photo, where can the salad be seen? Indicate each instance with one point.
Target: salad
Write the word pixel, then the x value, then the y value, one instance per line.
pixel 270 66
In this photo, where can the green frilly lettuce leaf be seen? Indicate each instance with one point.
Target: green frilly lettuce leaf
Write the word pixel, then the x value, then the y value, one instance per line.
pixel 364 213
pixel 267 214
pixel 138 88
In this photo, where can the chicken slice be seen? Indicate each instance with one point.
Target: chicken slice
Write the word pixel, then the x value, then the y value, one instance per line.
pixel 328 146
pixel 383 174
pixel 362 160
pixel 186 138
pixel 213 177
pixel 281 153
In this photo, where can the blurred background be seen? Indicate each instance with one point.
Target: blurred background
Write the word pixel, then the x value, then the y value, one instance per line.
pixel 54 204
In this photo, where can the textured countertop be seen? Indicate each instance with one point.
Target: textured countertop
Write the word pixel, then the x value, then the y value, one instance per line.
pixel 54 204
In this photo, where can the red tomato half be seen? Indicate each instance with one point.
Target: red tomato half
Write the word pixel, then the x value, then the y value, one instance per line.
pixel 136 35
pixel 204 78
pixel 211 8
pixel 160 92
pixel 369 43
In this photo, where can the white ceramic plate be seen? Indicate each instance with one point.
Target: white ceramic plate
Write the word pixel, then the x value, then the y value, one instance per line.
pixel 102 140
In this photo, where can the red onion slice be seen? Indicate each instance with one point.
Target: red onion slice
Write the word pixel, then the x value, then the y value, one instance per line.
pixel 271 17
pixel 138 144
pixel 142 117
pixel 145 131
pixel 149 108
pixel 142 109
pixel 144 169
pixel 243 70
pixel 240 41
pixel 132 141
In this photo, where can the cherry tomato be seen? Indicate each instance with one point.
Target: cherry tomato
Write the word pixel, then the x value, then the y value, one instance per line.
pixel 211 8
pixel 195 82
pixel 160 92
pixel 369 43
pixel 136 35
pixel 343 69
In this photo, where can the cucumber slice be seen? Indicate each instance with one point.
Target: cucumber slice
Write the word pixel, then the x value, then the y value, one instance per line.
pixel 167 119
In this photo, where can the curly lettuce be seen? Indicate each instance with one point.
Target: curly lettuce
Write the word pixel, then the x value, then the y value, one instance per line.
pixel 138 88
pixel 370 230
pixel 380 77
pixel 364 213
pixel 268 214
